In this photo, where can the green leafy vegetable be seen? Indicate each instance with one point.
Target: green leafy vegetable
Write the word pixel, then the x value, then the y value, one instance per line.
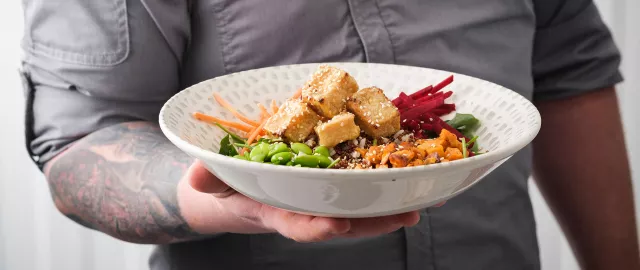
pixel 235 137
pixel 243 145
pixel 475 147
pixel 226 148
pixel 465 123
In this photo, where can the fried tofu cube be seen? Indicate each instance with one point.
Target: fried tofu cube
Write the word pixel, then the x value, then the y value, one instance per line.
pixel 328 89
pixel 339 129
pixel 375 114
pixel 294 121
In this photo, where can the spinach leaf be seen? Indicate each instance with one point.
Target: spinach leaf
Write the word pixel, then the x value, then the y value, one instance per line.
pixel 475 148
pixel 235 137
pixel 473 141
pixel 226 148
pixel 465 123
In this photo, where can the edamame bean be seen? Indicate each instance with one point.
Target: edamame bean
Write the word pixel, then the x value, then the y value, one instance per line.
pixel 281 158
pixel 258 158
pixel 322 150
pixel 241 157
pixel 306 161
pixel 290 163
pixel 261 149
pixel 323 161
pixel 277 148
pixel 301 147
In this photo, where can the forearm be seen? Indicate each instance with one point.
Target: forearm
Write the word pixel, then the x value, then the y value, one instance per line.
pixel 582 169
pixel 122 180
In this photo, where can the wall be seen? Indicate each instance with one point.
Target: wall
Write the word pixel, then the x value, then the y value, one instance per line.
pixel 34 236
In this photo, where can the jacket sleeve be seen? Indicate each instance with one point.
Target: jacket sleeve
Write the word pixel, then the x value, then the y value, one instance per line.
pixel 89 64
pixel 574 51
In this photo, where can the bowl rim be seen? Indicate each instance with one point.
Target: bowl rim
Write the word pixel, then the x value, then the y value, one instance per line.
pixel 467 163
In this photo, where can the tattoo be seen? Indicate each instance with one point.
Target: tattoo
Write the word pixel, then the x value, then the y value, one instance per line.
pixel 122 180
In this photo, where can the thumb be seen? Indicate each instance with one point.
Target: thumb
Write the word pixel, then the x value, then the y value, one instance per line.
pixel 204 181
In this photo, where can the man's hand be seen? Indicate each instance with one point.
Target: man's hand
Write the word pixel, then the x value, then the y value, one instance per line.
pixel 244 215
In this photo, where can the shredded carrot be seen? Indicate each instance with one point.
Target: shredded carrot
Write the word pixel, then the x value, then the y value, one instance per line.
pixel 254 134
pixel 274 106
pixel 213 120
pixel 228 106
pixel 263 110
pixel 297 94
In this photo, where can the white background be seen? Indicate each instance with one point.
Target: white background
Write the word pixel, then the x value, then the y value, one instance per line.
pixel 34 236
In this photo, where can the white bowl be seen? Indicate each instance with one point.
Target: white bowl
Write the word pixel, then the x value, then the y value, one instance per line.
pixel 508 123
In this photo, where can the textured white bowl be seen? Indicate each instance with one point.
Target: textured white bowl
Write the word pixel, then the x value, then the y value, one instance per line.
pixel 509 122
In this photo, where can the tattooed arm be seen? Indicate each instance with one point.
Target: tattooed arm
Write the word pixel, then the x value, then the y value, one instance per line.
pixel 128 181
pixel 122 180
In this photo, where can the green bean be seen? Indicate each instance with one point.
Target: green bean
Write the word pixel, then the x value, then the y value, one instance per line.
pixel 277 148
pixel 323 161
pixel 306 161
pixel 258 158
pixel 261 149
pixel 281 158
pixel 322 150
pixel 301 147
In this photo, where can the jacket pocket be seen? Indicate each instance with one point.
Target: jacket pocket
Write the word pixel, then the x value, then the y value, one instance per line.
pixel 83 32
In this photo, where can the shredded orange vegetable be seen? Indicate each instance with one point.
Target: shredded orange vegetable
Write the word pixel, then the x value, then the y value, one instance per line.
pixel 274 106
pixel 263 110
pixel 255 133
pixel 385 158
pixel 228 106
pixel 214 120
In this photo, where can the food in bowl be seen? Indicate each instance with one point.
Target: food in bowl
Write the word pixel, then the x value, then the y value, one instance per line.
pixel 331 123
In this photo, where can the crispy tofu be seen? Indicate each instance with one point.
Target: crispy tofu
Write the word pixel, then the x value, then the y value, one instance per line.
pixel 328 89
pixel 374 112
pixel 294 121
pixel 340 128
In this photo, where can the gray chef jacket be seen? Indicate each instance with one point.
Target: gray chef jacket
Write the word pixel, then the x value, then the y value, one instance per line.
pixel 95 63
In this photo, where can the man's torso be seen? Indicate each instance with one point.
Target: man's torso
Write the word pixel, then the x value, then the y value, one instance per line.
pixel 488 227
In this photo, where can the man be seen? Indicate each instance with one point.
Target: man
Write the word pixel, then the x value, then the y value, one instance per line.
pixel 97 73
